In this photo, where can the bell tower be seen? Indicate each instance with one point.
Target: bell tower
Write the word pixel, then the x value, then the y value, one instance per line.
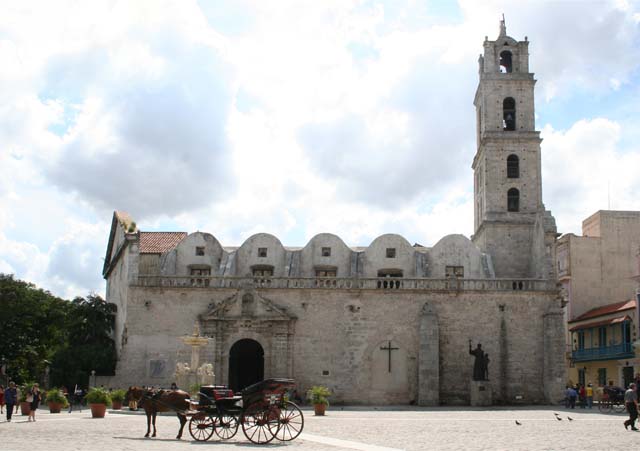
pixel 509 215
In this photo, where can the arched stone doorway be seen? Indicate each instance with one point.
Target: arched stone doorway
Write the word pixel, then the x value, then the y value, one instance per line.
pixel 246 364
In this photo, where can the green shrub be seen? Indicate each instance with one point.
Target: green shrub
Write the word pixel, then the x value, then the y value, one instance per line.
pixel 55 395
pixel 118 395
pixel 318 395
pixel 98 396
pixel 194 389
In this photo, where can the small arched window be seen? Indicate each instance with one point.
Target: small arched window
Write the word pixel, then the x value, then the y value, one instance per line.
pixel 509 114
pixel 513 200
pixel 506 66
pixel 513 167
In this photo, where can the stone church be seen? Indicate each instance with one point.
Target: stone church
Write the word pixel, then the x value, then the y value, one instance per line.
pixel 389 323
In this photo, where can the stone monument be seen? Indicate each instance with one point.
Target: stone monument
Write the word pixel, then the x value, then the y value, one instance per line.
pixel 480 389
pixel 187 375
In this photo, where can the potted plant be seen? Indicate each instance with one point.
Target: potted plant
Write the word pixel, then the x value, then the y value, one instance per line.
pixel 318 396
pixel 56 400
pixel 98 400
pixel 25 406
pixel 117 397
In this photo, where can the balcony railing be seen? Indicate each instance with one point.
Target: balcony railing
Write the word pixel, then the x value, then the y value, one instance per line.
pixel 381 283
pixel 620 351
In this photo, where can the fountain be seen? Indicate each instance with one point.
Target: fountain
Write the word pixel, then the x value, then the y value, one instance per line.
pixel 187 375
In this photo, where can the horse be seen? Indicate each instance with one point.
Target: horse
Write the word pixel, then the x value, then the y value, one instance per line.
pixel 160 401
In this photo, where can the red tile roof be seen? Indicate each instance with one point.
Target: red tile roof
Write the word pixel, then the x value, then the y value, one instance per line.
pixel 159 242
pixel 605 322
pixel 606 310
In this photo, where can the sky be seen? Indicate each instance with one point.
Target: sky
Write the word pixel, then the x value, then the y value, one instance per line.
pixel 291 117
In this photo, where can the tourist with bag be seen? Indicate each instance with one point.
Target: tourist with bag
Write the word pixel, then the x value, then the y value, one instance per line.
pixel 33 398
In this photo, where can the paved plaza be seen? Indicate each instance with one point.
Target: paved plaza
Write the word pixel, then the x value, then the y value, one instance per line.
pixel 348 428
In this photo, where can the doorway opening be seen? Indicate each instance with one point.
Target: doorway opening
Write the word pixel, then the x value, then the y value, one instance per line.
pixel 246 364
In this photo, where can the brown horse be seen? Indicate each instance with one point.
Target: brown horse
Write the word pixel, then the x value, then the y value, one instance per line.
pixel 160 401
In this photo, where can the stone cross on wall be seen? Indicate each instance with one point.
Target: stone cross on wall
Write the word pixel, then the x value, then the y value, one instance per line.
pixel 389 349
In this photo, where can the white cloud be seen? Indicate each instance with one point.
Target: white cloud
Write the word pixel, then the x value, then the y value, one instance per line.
pixel 294 118
pixel 585 170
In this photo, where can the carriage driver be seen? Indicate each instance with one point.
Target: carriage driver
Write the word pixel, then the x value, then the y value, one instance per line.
pixel 631 403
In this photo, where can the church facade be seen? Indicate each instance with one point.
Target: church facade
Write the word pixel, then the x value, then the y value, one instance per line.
pixel 389 323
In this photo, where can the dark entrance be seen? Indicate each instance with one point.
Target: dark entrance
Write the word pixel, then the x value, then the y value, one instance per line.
pixel 246 364
pixel 627 375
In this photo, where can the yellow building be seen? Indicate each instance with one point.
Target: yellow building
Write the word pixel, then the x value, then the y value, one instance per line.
pixel 602 350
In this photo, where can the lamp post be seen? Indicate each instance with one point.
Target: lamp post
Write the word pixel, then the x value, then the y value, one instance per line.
pixel 93 375
pixel 47 369
pixel 3 371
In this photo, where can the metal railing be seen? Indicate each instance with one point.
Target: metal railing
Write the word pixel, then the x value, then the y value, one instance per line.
pixel 381 283
pixel 619 351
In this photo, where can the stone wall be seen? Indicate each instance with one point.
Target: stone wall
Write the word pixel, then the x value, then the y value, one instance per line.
pixel 339 335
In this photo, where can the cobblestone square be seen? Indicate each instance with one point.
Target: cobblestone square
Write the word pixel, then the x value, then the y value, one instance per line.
pixel 348 428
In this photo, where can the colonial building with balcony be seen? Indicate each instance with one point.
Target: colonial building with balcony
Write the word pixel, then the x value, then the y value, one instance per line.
pixel 389 322
pixel 596 271
pixel 602 345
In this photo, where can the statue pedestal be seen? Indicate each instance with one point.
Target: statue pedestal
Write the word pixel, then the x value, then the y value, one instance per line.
pixel 481 394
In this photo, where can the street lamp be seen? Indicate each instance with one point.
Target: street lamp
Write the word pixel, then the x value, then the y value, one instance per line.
pixel 3 370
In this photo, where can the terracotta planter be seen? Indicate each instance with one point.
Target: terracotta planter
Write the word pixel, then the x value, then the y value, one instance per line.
pixel 25 407
pixel 98 410
pixel 55 407
pixel 319 409
pixel 116 405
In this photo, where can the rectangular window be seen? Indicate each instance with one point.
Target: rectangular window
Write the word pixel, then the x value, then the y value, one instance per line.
pixel 454 272
pixel 391 252
pixel 602 376
pixel 199 250
pixel 326 252
pixel 267 272
pixel 602 337
pixel 581 339
pixel 325 272
pixel 200 271
pixel 262 252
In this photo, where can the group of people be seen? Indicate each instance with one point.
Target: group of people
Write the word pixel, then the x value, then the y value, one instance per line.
pixel 582 394
pixel 9 400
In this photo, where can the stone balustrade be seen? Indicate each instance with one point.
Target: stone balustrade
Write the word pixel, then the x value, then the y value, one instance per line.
pixel 386 283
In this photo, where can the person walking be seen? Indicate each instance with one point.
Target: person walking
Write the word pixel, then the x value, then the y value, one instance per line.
pixel 11 399
pixel 34 397
pixel 631 403
pixel 589 391
pixel 1 399
pixel 582 395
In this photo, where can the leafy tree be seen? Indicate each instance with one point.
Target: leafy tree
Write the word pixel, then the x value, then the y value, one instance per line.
pixel 32 327
pixel 90 346
pixel 38 329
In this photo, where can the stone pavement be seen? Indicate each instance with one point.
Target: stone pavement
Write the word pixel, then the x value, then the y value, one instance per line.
pixel 348 428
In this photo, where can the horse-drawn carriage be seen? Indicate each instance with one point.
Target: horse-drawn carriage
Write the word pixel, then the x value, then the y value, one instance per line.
pixel 262 411
pixel 612 399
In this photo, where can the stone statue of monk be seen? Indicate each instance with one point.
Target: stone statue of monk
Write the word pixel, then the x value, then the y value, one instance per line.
pixel 479 363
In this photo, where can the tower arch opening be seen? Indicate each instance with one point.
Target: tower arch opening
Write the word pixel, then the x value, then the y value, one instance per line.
pixel 506 62
pixel 509 114
pixel 513 167
pixel 513 200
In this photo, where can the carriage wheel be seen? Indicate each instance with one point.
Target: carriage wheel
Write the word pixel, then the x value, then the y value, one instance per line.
pixel 226 426
pixel 260 424
pixel 291 422
pixel 604 406
pixel 620 408
pixel 201 427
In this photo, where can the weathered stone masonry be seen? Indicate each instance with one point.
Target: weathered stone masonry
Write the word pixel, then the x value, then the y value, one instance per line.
pixel 389 323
